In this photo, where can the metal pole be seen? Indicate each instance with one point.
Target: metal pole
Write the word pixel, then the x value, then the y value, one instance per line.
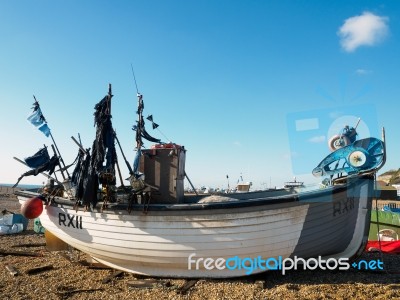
pixel 62 174
pixel 358 122
pixel 119 173
pixel 123 155
pixel 109 98
pixel 191 184
pixel 78 144
pixel 61 159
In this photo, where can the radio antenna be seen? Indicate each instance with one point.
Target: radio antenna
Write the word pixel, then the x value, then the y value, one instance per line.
pixel 142 106
pixel 134 78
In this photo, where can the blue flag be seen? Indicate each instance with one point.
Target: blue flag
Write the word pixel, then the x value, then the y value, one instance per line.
pixel 45 129
pixel 136 161
pixel 37 119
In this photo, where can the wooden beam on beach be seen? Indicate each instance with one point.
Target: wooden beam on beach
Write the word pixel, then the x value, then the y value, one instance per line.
pixel 186 286
pixel 20 253
pixel 39 269
pixel 70 292
pixel 261 284
pixel 112 276
pixel 13 271
pixel 30 245
pixel 142 283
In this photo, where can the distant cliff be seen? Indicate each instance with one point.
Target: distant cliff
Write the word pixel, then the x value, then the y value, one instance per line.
pixel 390 177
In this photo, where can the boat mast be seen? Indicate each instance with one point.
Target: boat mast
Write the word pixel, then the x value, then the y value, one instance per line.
pixel 140 124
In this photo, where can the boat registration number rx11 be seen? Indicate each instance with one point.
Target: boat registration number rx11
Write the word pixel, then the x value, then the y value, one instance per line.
pixel 68 220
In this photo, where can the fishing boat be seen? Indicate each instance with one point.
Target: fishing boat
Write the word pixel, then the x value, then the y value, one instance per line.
pixel 151 227
pixel 291 185
pixel 242 186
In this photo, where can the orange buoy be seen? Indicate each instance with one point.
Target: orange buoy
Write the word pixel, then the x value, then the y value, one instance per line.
pixel 32 208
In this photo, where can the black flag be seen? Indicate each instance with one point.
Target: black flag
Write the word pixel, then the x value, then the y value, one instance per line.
pixel 38 159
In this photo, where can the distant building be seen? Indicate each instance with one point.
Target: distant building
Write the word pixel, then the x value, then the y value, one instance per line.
pixel 397 187
pixel 385 192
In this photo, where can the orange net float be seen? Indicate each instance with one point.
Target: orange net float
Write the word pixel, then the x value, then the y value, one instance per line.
pixel 32 208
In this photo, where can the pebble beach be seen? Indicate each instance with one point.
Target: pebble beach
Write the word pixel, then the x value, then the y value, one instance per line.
pixel 29 271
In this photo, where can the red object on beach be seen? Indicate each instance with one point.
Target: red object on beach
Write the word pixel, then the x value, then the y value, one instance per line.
pixel 32 208
pixel 384 246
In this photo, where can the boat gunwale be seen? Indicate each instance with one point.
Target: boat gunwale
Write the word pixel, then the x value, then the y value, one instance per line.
pixel 301 198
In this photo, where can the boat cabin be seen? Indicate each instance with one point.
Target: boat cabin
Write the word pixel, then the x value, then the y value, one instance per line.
pixel 163 167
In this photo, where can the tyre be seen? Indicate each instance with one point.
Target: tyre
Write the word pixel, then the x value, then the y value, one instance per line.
pixel 337 142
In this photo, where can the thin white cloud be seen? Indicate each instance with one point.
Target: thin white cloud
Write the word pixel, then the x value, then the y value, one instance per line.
pixel 363 72
pixel 317 139
pixel 293 154
pixel 335 114
pixel 307 124
pixel 364 30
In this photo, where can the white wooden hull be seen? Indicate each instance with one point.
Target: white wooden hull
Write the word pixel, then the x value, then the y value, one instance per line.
pixel 331 223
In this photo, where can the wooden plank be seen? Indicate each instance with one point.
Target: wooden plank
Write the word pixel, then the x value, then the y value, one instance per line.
pixel 69 293
pixel 13 271
pixel 112 276
pixel 186 286
pixel 39 269
pixel 142 284
pixel 261 284
pixel 20 253
pixel 30 245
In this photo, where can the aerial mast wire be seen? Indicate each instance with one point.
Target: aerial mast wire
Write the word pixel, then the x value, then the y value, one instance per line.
pixel 139 95
pixel 134 78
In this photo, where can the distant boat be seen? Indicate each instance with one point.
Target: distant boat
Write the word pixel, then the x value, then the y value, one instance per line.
pixel 243 187
pixel 293 184
pixel 153 228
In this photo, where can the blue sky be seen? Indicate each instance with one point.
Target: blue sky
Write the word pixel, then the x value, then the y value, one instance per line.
pixel 221 78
